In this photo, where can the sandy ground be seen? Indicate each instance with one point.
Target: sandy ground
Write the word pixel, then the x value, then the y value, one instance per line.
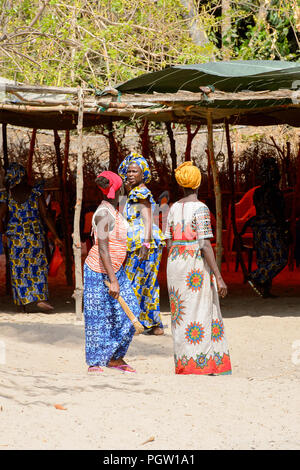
pixel 42 364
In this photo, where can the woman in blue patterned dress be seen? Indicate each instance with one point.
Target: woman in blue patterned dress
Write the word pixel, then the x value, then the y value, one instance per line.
pixel 145 241
pixel 21 211
pixel 108 330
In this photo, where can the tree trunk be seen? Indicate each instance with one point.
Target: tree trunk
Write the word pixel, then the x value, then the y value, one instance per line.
pixel 217 190
pixel 65 212
pixel 293 227
pixel 5 165
pixel 232 186
pixel 173 155
pixel 196 33
pixel 226 26
pixel 78 292
pixel 113 148
pixel 190 137
pixel 30 156
pixel 145 139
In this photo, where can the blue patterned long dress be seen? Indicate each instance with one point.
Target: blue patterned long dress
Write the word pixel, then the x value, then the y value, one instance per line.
pixel 108 330
pixel 26 248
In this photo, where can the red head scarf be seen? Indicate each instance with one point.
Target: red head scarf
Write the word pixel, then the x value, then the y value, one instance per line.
pixel 115 182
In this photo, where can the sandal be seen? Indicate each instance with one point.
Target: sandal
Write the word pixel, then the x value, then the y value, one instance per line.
pixel 95 370
pixel 156 331
pixel 123 368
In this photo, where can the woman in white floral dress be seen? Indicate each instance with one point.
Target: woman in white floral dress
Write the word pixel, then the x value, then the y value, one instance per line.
pixel 194 283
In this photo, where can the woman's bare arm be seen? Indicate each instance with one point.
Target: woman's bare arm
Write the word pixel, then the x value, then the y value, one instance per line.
pixel 211 261
pixel 102 223
pixel 48 220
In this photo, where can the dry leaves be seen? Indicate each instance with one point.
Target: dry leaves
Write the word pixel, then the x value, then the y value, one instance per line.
pixel 60 407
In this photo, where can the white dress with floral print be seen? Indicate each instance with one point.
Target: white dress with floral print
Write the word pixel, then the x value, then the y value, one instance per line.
pixel 200 346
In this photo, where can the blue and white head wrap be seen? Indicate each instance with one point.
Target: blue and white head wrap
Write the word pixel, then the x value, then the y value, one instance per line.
pixel 140 161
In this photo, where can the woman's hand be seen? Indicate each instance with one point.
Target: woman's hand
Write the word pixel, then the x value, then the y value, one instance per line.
pixel 222 288
pixel 143 254
pixel 114 289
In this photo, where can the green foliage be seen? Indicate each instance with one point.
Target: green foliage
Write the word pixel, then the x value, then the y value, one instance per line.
pixel 110 41
pixel 263 29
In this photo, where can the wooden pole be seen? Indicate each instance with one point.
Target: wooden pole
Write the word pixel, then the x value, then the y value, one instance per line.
pixel 113 148
pixel 78 292
pixel 217 190
pixel 65 213
pixel 4 146
pixel 145 139
pixel 66 156
pixel 69 254
pixel 296 199
pixel 5 247
pixel 231 178
pixel 30 156
pixel 175 193
pixel 189 139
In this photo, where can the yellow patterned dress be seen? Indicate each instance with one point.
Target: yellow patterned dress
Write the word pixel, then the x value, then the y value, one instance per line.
pixel 143 274
pixel 26 249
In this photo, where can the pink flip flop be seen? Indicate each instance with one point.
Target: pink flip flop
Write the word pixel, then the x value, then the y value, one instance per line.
pixel 123 368
pixel 95 370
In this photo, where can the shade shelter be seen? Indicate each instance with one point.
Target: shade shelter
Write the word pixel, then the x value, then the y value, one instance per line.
pixel 256 93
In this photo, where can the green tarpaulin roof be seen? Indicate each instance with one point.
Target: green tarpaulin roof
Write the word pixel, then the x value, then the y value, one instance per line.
pixel 230 76
pixel 255 93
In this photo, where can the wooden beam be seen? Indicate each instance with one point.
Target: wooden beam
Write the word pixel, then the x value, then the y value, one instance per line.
pixel 296 199
pixel 4 146
pixel 65 213
pixel 232 186
pixel 78 292
pixel 4 239
pixel 217 190
pixel 30 155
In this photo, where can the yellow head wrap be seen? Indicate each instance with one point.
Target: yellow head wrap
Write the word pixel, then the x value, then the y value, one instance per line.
pixel 188 175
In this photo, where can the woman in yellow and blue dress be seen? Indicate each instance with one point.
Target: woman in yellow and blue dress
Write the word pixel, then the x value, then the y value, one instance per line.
pixel 145 241
pixel 22 209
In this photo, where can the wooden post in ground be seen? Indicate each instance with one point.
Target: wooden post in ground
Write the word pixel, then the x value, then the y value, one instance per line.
pixel 78 292
pixel 69 254
pixel 113 148
pixel 291 260
pixel 232 187
pixel 65 213
pixel 217 190
pixel 30 156
pixel 174 186
pixel 189 139
pixel 145 139
pixel 4 146
pixel 5 248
